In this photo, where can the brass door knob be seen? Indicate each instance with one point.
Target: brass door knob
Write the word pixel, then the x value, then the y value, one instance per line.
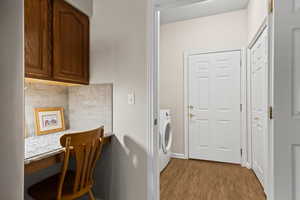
pixel 191 115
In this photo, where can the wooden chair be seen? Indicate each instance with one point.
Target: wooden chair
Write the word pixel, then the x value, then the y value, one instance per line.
pixel 68 185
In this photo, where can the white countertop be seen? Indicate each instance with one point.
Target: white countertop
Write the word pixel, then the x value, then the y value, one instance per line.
pixel 40 147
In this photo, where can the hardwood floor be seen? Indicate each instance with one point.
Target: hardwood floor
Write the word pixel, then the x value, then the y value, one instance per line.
pixel 203 180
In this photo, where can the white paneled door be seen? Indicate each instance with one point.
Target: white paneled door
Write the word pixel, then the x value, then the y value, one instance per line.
pixel 286 100
pixel 259 104
pixel 214 106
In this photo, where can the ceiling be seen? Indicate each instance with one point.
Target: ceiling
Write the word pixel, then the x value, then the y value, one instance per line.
pixel 178 10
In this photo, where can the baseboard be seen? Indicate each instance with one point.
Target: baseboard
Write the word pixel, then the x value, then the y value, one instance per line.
pixel 246 164
pixel 178 155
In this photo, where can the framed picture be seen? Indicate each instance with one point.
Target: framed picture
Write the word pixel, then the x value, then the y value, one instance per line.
pixel 49 120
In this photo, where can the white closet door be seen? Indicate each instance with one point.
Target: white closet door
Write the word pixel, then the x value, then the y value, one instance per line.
pixel 214 99
pixel 259 108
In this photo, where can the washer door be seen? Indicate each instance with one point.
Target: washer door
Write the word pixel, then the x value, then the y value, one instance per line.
pixel 166 137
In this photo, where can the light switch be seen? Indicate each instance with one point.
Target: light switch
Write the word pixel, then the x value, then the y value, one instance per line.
pixel 131 99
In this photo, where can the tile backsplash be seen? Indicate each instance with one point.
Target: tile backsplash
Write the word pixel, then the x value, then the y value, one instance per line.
pixel 40 96
pixel 85 106
pixel 90 107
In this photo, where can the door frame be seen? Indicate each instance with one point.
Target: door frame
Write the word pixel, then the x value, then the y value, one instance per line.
pixel 243 100
pixel 153 173
pixel 266 25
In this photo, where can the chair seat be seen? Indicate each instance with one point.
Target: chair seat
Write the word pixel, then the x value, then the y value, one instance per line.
pixel 47 189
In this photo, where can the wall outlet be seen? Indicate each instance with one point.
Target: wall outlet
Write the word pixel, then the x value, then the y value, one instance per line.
pixel 131 99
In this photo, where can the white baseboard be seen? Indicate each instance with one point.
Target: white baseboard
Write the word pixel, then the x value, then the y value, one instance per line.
pixel 178 155
pixel 246 164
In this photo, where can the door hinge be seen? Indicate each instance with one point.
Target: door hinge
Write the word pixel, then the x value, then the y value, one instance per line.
pixel 241 107
pixel 155 122
pixel 271 112
pixel 271 6
pixel 241 152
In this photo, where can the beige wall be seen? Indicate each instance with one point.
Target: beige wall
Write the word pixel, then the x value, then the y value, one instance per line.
pixel 225 31
pixel 118 55
pixel 257 12
pixel 102 43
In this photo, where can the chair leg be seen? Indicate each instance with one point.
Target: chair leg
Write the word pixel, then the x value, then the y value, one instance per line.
pixel 91 195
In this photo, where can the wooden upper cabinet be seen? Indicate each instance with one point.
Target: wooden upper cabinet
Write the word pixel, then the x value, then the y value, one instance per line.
pixel 56 42
pixel 38 50
pixel 70 44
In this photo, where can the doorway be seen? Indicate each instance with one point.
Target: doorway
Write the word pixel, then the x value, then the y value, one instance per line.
pixel 214 143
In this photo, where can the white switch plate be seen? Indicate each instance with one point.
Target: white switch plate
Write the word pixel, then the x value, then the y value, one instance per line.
pixel 131 99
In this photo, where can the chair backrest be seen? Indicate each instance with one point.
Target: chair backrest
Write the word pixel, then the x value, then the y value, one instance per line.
pixel 86 147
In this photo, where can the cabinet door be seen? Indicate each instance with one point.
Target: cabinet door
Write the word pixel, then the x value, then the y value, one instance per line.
pixel 38 50
pixel 70 44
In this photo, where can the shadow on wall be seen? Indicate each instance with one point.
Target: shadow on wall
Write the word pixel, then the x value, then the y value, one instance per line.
pixel 126 157
pixel 103 174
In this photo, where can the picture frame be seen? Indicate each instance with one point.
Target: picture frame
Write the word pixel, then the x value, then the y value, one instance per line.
pixel 49 120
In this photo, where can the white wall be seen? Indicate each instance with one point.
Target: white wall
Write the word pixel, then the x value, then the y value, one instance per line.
pixel 224 31
pixel 102 43
pixel 118 54
pixel 257 12
pixel 85 6
pixel 11 106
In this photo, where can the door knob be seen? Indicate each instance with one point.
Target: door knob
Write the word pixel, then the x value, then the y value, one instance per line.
pixel 191 107
pixel 256 118
pixel 191 115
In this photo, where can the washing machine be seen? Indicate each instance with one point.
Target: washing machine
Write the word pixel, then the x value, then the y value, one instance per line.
pixel 165 139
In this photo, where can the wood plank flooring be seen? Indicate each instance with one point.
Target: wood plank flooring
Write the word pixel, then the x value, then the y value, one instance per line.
pixel 203 180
